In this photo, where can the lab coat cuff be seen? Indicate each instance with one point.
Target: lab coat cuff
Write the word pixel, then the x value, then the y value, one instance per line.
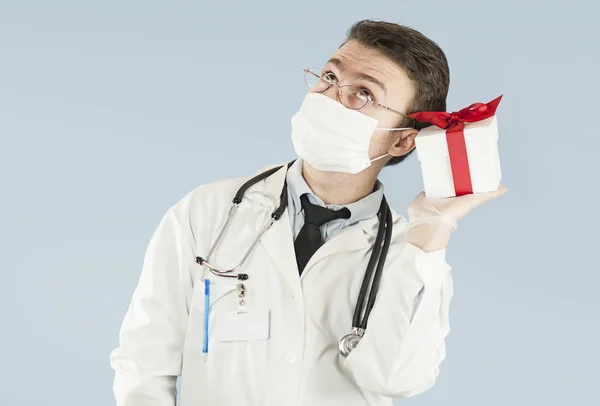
pixel 434 258
pixel 432 266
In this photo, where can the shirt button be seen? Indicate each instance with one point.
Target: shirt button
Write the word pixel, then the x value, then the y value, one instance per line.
pixel 289 357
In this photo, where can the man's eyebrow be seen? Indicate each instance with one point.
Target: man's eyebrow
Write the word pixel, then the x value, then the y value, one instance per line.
pixel 358 75
pixel 337 63
pixel 368 78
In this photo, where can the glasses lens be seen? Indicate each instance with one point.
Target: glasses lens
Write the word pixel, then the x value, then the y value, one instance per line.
pixel 315 80
pixel 353 98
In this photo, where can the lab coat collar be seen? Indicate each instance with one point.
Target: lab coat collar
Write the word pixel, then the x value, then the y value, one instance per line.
pixel 365 208
pixel 278 240
pixel 272 186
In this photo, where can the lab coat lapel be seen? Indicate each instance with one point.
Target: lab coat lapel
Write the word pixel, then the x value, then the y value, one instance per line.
pixel 279 246
pixel 353 238
pixel 278 240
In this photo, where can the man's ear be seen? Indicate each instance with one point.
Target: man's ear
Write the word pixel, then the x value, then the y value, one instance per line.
pixel 404 142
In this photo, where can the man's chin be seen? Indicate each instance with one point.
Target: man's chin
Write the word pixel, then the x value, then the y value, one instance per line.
pixel 327 173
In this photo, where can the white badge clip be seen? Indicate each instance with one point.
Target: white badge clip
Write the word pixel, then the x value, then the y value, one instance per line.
pixel 241 292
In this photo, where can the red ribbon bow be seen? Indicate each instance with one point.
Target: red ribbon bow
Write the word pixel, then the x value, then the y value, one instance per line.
pixel 456 121
pixel 454 124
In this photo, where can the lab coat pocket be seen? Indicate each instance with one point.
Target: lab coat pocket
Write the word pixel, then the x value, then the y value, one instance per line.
pixel 223 293
pixel 222 296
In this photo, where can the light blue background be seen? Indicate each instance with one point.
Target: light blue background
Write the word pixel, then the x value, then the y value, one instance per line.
pixel 111 111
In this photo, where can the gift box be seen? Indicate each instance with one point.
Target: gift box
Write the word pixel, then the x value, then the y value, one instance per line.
pixel 458 154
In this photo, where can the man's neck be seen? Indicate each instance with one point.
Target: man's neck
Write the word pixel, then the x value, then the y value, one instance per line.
pixel 337 188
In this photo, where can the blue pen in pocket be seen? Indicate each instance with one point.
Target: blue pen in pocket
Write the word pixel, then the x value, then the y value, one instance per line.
pixel 206 310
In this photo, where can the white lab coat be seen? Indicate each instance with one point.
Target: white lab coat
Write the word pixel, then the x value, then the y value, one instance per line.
pixel 161 336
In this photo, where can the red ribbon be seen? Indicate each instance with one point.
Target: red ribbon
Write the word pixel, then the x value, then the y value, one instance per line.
pixel 454 124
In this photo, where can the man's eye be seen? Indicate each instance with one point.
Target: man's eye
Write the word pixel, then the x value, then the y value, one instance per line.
pixel 329 77
pixel 364 95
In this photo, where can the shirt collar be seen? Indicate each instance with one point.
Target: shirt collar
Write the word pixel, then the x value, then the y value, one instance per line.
pixel 362 209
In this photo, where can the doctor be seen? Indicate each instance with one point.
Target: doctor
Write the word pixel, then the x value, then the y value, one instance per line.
pixel 271 337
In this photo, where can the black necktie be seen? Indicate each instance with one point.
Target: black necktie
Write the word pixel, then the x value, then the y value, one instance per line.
pixel 309 239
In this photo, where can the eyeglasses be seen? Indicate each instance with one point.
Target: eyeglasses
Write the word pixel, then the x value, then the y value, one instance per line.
pixel 350 96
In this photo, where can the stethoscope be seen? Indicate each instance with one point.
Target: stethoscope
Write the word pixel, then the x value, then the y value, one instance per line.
pixel 372 274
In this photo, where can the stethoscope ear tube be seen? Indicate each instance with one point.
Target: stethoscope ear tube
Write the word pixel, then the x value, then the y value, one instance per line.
pixel 237 199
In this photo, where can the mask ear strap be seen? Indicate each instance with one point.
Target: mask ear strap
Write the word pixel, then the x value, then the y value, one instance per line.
pixel 394 129
pixel 384 155
pixel 378 158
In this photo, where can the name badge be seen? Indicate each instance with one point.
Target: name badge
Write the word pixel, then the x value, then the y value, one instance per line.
pixel 251 324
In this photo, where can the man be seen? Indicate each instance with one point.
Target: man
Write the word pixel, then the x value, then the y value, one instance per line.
pixel 272 335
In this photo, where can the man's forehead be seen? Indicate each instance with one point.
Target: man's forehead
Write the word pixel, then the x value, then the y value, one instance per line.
pixel 357 57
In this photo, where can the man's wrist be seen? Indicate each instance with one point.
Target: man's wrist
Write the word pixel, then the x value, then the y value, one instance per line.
pixel 429 237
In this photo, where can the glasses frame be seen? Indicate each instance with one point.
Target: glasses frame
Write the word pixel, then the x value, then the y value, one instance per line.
pixel 341 93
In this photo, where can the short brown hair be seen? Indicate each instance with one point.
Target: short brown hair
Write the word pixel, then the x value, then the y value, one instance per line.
pixel 421 58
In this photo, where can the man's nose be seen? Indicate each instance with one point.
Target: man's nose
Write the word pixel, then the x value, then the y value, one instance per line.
pixel 333 93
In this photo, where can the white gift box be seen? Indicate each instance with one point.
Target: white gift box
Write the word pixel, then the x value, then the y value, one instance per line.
pixel 480 167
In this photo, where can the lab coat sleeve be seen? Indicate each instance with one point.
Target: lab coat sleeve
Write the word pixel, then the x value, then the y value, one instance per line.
pixel 148 359
pixel 404 344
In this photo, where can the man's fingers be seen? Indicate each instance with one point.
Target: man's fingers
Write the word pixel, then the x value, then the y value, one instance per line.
pixel 481 198
pixel 498 192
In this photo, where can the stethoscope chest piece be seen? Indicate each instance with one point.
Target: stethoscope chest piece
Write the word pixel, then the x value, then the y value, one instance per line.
pixel 350 341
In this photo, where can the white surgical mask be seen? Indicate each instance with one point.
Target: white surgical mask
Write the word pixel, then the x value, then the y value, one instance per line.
pixel 332 137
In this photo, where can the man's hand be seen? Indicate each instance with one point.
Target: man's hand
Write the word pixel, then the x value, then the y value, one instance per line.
pixel 432 220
